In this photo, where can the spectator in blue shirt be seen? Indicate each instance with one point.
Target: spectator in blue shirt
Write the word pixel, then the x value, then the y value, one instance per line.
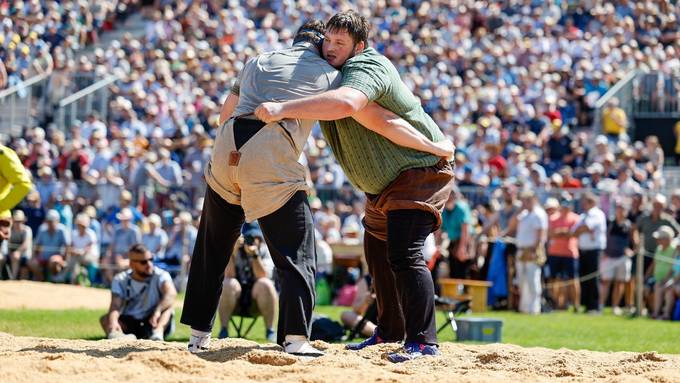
pixel 125 235
pixel 50 247
pixel 457 224
pixel 34 211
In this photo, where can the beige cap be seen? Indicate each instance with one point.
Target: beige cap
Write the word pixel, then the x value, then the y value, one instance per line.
pixel 19 216
pixel 664 232
pixel 124 215
pixel 83 220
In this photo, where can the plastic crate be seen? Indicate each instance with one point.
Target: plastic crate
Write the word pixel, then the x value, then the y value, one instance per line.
pixel 479 329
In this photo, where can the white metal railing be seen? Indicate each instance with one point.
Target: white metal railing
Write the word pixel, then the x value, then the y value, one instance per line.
pixel 22 104
pixel 80 104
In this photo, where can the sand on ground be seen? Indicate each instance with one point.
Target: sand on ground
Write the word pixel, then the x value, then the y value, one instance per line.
pixel 56 360
pixel 27 359
pixel 51 296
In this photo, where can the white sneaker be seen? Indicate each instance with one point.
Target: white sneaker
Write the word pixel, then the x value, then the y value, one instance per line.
pixel 302 348
pixel 618 311
pixel 157 336
pixel 199 343
pixel 121 335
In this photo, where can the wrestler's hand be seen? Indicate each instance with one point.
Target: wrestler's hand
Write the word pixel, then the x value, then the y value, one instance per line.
pixel 445 149
pixel 269 112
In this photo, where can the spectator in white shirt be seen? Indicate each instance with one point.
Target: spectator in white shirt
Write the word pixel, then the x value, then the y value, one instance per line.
pixel 91 125
pixel 531 226
pixel 591 231
pixel 84 250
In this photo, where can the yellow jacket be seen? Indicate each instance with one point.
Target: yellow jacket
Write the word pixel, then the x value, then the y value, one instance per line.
pixel 15 182
pixel 614 121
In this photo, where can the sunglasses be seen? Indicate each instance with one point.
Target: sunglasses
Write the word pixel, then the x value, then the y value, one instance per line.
pixel 142 261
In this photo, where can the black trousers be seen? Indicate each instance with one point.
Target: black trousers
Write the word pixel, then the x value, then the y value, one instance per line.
pixel 589 262
pixel 458 269
pixel 403 283
pixel 289 234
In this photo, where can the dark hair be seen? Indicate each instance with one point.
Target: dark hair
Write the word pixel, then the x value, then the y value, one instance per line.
pixel 351 21
pixel 138 248
pixel 311 31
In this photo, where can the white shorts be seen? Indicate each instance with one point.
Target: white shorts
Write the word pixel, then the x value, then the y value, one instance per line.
pixel 616 269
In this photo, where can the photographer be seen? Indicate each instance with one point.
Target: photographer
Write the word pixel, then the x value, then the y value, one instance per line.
pixel 248 287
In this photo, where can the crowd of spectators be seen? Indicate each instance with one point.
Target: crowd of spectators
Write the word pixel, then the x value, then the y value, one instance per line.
pixel 512 83
pixel 567 253
pixel 37 37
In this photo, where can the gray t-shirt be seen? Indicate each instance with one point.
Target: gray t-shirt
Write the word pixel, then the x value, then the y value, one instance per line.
pixel 140 298
pixel 283 75
pixel 268 173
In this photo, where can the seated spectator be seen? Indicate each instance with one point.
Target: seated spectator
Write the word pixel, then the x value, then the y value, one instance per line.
pixel 563 255
pixel 351 234
pixel 662 267
pixel 614 120
pixel 171 172
pixel 568 180
pixel 46 185
pixel 672 287
pixel 248 284
pixel 34 211
pixel 652 153
pixel 5 225
pixel 616 262
pixel 142 300
pixel 363 299
pixel 344 296
pixel 557 150
pixel 20 246
pixel 675 204
pixel 84 251
pixel 324 255
pixel 124 236
pixel 125 202
pixel 180 247
pixel 51 246
pixel 156 240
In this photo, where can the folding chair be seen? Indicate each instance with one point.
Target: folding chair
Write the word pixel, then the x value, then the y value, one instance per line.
pixel 247 319
pixel 239 327
pixel 451 308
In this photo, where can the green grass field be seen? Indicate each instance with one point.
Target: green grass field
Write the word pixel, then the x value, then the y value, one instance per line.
pixel 555 330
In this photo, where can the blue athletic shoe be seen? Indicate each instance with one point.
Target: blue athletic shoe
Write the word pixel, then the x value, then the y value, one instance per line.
pixel 270 335
pixel 372 341
pixel 224 333
pixel 413 351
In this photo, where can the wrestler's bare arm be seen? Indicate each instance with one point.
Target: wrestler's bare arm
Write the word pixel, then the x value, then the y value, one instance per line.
pixel 349 102
pixel 228 107
pixel 399 131
pixel 328 106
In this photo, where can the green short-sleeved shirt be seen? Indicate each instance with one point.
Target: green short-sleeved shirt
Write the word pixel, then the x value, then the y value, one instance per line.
pixel 662 263
pixel 370 161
